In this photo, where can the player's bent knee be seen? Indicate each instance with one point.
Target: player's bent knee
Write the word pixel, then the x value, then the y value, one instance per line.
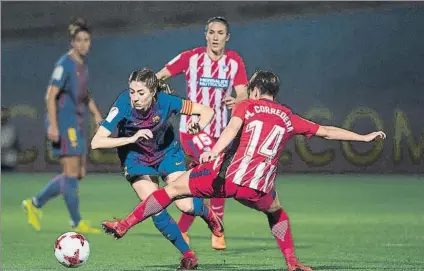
pixel 185 205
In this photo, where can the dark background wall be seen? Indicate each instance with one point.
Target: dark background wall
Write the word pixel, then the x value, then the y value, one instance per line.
pixel 357 68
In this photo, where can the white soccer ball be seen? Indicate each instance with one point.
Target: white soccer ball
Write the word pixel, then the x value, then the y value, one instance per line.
pixel 72 249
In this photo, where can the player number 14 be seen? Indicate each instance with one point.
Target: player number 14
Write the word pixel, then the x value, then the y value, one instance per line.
pixel 270 145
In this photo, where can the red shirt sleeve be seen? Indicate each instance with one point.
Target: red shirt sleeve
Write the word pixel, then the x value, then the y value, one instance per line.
pixel 239 109
pixel 241 76
pixel 303 127
pixel 179 63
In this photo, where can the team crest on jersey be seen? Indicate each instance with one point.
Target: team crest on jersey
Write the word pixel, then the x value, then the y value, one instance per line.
pixel 214 82
pixel 225 68
pixel 156 119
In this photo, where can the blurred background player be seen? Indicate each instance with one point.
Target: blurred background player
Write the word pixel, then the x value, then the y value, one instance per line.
pixel 66 99
pixel 9 141
pixel 211 72
pixel 260 128
pixel 148 148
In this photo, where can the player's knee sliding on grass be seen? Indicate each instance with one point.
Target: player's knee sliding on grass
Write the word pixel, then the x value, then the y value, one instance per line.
pixel 148 148
pixel 215 71
pixel 64 129
pixel 259 128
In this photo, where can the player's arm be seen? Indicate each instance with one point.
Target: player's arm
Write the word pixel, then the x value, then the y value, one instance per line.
pixel 308 128
pixel 186 107
pixel 240 85
pixel 103 140
pixel 241 92
pixel 228 135
pixel 163 74
pixel 57 82
pixel 51 95
pixel 177 65
pixel 336 133
pixel 94 109
pixel 205 115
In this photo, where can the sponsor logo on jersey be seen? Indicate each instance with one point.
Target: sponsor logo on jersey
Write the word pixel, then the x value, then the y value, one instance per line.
pixel 214 82
pixel 112 114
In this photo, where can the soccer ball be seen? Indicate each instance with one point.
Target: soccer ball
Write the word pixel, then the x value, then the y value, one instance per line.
pixel 71 249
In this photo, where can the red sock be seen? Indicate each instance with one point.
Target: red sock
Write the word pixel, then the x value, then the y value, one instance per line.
pixel 217 205
pixel 152 205
pixel 185 222
pixel 280 228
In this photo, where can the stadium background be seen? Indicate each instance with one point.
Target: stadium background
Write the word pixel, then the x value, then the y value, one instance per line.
pixel 358 65
pixel 340 63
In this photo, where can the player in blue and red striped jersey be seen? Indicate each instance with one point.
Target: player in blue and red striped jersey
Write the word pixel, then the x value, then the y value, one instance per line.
pixel 148 148
pixel 66 100
pixel 259 129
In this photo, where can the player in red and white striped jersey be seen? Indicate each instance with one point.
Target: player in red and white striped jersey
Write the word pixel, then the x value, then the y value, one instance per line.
pixel 260 127
pixel 211 73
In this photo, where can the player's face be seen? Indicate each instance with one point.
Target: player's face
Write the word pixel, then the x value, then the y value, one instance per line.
pixel 81 43
pixel 217 37
pixel 141 96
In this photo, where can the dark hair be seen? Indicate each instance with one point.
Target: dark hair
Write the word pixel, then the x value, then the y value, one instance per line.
pixel 78 25
pixel 267 82
pixel 148 77
pixel 218 19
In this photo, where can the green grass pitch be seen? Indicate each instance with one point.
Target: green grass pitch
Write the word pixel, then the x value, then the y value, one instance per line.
pixel 339 222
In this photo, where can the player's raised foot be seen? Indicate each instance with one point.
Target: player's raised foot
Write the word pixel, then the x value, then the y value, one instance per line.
pixel 189 261
pixel 33 214
pixel 84 227
pixel 218 243
pixel 297 266
pixel 114 228
pixel 214 223
pixel 186 237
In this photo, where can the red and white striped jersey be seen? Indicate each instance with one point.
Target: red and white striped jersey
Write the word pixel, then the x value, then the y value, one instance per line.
pixel 208 82
pixel 267 126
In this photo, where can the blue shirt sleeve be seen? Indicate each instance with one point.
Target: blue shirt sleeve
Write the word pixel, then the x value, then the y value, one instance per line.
pixel 117 112
pixel 60 74
pixel 175 102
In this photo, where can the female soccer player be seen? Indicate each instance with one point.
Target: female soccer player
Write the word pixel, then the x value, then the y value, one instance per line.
pixel 67 96
pixel 148 148
pixel 259 128
pixel 211 72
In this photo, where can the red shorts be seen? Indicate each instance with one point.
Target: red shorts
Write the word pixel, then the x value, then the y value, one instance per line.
pixel 204 182
pixel 195 145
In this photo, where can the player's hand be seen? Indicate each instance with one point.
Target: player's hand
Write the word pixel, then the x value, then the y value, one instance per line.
pixel 229 101
pixel 53 133
pixel 207 157
pixel 143 133
pixel 374 136
pixel 193 127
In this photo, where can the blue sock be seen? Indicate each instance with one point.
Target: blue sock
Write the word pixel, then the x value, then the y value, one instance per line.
pixel 70 194
pixel 51 190
pixel 167 226
pixel 199 208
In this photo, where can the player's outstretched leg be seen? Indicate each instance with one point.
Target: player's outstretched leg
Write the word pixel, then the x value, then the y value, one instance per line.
pixel 280 228
pixel 154 204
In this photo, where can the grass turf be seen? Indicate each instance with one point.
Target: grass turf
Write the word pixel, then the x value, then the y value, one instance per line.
pixel 339 222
